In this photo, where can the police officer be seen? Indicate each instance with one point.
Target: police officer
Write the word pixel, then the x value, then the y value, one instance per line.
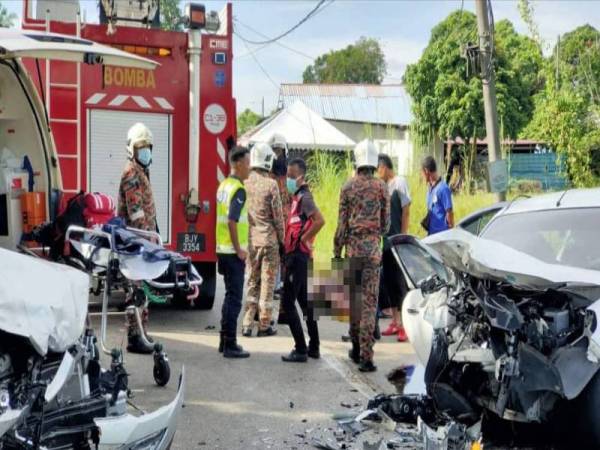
pixel 364 212
pixel 266 236
pixel 304 222
pixel 136 207
pixel 232 244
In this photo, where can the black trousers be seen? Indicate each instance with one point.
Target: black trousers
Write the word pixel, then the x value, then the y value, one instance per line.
pixel 232 268
pixel 295 289
pixel 392 285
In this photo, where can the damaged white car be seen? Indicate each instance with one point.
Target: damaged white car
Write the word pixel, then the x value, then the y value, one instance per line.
pixel 507 323
pixel 54 394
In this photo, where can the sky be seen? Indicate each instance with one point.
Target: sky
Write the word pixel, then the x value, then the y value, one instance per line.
pixel 402 27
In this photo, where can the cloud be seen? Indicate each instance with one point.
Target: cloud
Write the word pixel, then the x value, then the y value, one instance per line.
pixel 399 53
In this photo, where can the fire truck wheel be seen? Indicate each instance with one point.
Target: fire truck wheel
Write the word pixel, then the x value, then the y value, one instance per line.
pixel 208 272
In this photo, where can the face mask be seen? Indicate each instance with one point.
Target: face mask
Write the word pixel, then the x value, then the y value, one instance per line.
pixel 291 185
pixel 144 156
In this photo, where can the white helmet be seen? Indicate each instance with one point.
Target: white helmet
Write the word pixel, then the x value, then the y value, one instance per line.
pixel 366 154
pixel 278 140
pixel 261 156
pixel 138 133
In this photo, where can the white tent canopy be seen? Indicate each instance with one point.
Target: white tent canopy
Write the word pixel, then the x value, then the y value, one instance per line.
pixel 303 129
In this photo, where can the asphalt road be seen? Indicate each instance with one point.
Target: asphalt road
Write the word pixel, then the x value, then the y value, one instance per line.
pixel 259 402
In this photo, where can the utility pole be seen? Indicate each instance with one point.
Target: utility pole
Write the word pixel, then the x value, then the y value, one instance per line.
pixel 496 169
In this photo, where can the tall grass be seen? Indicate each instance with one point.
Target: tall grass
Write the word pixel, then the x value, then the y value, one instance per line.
pixel 327 173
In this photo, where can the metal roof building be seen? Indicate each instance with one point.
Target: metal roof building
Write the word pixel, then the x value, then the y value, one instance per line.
pixel 360 103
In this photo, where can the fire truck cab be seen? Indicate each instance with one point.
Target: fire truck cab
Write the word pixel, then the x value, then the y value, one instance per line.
pixel 186 101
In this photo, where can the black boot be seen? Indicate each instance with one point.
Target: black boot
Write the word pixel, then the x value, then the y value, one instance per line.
pixel 221 341
pixel 231 349
pixel 135 344
pixel 268 332
pixel 295 356
pixel 366 365
pixel 354 353
pixel 313 350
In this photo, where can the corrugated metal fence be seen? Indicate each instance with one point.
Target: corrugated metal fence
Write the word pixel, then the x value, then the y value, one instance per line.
pixel 543 167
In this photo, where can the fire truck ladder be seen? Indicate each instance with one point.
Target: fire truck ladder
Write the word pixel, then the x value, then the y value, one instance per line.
pixel 70 121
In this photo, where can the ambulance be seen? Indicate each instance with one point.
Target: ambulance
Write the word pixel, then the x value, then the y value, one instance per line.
pixel 84 106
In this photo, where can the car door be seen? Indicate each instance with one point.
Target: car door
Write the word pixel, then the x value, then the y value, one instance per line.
pixel 423 271
pixel 35 44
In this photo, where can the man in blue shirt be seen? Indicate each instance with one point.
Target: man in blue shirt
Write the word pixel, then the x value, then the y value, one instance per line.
pixel 440 216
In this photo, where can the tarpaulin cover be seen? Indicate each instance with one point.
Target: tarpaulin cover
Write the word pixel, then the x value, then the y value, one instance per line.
pixel 42 301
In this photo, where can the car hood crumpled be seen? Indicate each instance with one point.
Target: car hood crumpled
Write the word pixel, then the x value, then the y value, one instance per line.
pixel 483 258
pixel 42 301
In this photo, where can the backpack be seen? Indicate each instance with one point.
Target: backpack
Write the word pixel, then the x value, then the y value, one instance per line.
pixel 85 210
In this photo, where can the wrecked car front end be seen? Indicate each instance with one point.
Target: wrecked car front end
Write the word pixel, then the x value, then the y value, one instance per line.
pixel 498 330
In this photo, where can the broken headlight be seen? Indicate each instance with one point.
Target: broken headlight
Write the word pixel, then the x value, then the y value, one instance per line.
pixel 150 442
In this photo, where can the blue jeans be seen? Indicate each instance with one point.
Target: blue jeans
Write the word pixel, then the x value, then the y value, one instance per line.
pixel 232 268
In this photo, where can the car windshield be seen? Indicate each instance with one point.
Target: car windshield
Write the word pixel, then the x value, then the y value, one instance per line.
pixel 569 237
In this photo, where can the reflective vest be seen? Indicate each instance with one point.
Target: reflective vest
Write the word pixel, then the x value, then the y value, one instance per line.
pixel 227 190
pixel 297 225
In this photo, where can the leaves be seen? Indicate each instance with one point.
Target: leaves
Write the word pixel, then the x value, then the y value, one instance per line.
pixel 247 120
pixel 567 109
pixel 448 100
pixel 170 15
pixel 362 62
pixel 7 20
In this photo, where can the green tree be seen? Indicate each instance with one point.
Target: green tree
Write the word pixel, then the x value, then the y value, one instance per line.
pixel 447 95
pixel 578 54
pixel 361 62
pixel 170 15
pixel 567 110
pixel 7 20
pixel 247 120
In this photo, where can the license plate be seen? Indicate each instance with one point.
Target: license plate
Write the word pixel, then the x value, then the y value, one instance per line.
pixel 191 242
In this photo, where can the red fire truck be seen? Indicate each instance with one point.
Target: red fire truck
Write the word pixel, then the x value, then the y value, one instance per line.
pixel 187 102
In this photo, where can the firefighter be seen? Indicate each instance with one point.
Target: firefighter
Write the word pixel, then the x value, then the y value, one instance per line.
pixel 363 220
pixel 304 222
pixel 136 207
pixel 266 236
pixel 232 245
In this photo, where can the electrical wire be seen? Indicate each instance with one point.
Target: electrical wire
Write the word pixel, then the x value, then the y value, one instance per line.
pixel 281 44
pixel 282 35
pixel 260 66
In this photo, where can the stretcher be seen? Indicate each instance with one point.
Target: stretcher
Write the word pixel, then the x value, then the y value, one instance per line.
pixel 135 261
pixel 117 257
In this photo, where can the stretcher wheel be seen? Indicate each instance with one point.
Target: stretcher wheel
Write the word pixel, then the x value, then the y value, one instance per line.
pixel 162 371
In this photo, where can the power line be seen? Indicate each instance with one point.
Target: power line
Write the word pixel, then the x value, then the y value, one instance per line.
pixel 263 70
pixel 281 44
pixel 303 20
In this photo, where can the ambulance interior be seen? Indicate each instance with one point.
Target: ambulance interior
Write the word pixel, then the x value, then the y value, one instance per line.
pixel 20 138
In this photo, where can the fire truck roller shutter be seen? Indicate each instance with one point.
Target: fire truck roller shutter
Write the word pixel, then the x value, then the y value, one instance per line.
pixel 107 136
